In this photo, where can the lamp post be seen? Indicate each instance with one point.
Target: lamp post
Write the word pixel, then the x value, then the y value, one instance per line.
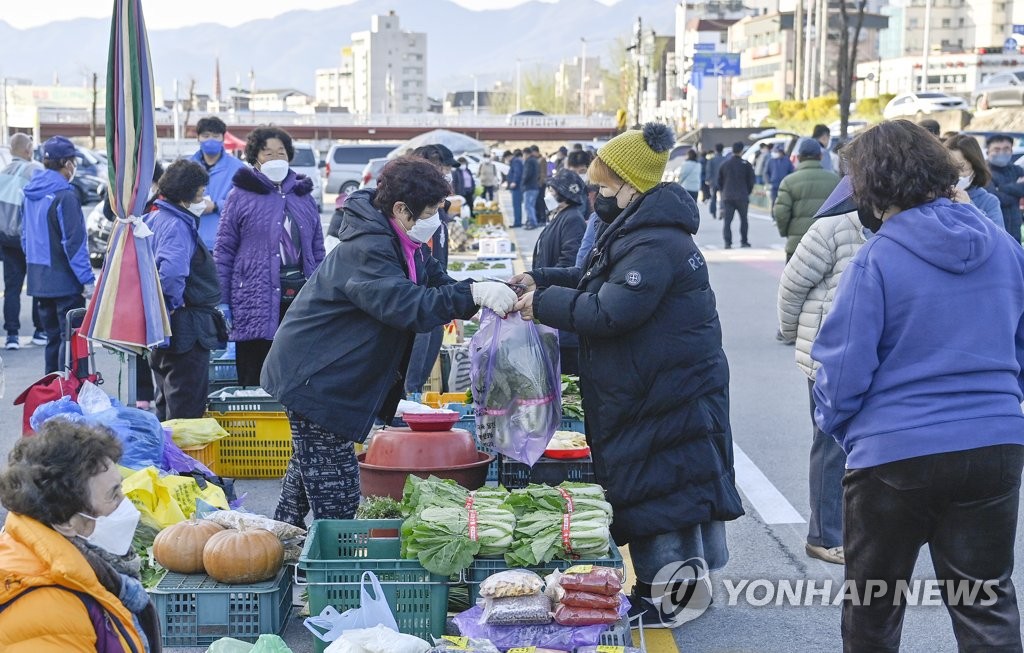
pixel 476 97
pixel 927 43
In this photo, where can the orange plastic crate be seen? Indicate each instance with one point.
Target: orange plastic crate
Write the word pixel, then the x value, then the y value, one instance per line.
pixel 208 454
pixel 258 445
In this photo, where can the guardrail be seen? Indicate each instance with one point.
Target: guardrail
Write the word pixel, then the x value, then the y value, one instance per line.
pixel 285 119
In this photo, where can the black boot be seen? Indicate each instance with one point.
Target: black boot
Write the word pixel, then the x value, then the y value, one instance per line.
pixel 681 601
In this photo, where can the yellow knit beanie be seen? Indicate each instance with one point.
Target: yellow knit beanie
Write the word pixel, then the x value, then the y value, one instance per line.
pixel 639 156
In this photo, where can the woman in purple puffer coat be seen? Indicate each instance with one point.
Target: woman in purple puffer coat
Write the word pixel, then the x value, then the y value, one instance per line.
pixel 269 241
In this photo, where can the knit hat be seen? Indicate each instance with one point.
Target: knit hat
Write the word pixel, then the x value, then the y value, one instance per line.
pixel 639 156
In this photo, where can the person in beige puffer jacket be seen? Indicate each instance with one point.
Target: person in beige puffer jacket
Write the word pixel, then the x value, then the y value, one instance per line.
pixel 806 292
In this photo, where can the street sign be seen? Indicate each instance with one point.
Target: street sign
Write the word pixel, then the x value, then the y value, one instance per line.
pixel 710 47
pixel 717 64
pixel 1018 29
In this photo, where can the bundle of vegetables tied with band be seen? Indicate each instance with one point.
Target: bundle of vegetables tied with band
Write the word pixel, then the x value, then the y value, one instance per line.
pixel 569 522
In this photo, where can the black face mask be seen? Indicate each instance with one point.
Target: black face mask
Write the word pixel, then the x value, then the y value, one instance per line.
pixel 868 219
pixel 606 208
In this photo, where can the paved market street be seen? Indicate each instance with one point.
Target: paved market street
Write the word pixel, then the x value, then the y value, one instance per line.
pixel 772 433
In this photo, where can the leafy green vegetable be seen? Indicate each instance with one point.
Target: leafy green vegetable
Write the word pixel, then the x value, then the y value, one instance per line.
pixel 539 537
pixel 572 398
pixel 422 493
pixel 379 508
pixel 585 497
pixel 440 537
pixel 151 572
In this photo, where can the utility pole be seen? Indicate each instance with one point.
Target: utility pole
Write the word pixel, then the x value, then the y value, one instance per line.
pixel 822 46
pixel 476 98
pixel 188 107
pixel 519 85
pixel 638 54
pixel 92 118
pixel 176 116
pixel 583 77
pixel 798 55
pixel 927 43
pixel 808 48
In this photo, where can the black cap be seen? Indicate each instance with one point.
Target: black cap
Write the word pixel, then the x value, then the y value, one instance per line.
pixel 438 153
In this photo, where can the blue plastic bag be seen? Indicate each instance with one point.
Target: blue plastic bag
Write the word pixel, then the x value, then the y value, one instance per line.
pixel 64 407
pixel 140 433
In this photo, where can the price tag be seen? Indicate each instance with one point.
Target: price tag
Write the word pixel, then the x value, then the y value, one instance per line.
pixel 611 649
pixel 580 569
pixel 473 526
pixel 461 643
pixel 523 649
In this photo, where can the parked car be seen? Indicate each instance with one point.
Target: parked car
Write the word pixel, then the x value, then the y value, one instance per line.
pixel 1002 90
pixel 97 228
pixel 918 105
pixel 306 161
pixel 345 163
pixel 473 161
pixel 772 137
pixel 372 171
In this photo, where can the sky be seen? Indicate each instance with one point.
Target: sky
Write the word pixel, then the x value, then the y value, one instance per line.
pixel 165 14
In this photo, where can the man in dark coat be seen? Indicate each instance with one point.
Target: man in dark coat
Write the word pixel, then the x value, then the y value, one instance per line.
pixel 654 376
pixel 736 183
pixel 1006 181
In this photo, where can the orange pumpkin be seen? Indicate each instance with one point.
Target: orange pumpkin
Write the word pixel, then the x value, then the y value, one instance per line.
pixel 243 556
pixel 179 547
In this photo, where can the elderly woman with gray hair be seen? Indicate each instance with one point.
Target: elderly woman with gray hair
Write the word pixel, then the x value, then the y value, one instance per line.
pixel 71 579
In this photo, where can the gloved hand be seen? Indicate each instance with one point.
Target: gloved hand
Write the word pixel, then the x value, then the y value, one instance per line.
pixel 494 295
pixel 88 290
pixel 225 310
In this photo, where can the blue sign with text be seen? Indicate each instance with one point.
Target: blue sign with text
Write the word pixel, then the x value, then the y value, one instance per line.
pixel 704 47
pixel 717 64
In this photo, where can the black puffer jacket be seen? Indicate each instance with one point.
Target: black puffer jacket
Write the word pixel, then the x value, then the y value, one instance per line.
pixel 339 357
pixel 654 377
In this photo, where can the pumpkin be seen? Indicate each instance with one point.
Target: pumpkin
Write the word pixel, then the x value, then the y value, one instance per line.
pixel 243 556
pixel 179 547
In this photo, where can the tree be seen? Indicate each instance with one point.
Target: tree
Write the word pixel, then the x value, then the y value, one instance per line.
pixel 539 92
pixel 620 78
pixel 846 66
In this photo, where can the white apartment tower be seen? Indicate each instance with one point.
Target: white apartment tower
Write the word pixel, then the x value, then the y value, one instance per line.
pixel 389 68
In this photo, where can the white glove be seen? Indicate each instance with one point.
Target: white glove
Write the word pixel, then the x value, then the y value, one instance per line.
pixel 88 290
pixel 494 295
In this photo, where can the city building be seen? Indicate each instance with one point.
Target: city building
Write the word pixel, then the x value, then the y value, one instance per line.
pixel 568 84
pixel 384 70
pixel 389 73
pixel 472 102
pixel 956 25
pixel 953 73
pixel 284 99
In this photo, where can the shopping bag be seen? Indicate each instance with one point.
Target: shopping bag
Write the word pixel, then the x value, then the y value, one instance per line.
pixel 167 500
pixel 517 390
pixel 195 432
pixel 372 611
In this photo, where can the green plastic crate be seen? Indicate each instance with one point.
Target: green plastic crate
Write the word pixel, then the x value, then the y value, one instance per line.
pixel 336 554
pixel 196 610
pixel 484 567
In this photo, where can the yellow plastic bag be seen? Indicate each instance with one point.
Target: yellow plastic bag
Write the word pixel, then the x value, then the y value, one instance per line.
pixel 195 432
pixel 167 500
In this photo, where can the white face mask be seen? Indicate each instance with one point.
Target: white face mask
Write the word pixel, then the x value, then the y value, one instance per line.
pixel 197 208
pixel 275 170
pixel 424 228
pixel 550 202
pixel 114 532
pixel 965 182
pixel 448 177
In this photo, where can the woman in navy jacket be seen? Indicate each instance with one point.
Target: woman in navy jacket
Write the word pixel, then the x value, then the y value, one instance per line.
pixel 339 359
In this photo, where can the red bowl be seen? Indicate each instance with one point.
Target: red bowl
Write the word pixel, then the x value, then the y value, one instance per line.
pixel 567 454
pixel 404 448
pixel 431 421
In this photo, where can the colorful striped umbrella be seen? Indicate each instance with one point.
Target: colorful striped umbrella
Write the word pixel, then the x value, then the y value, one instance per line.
pixel 127 311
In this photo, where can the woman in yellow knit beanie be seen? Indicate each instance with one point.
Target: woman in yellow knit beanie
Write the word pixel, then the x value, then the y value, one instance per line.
pixel 654 377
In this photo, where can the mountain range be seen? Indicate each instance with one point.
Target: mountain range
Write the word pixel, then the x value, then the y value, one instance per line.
pixel 284 51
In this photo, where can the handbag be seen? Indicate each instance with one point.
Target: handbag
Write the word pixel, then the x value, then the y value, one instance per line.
pixel 292 281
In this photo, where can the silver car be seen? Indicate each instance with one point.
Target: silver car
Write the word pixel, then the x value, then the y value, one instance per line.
pixel 372 171
pixel 1002 90
pixel 345 163
pixel 306 161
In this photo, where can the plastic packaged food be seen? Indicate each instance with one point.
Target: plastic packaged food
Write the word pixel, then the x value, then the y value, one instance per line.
pixel 517 611
pixel 450 644
pixel 568 615
pixel 578 599
pixel 609 649
pixel 596 580
pixel 515 582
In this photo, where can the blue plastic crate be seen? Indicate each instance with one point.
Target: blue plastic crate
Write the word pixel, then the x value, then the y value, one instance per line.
pixel 196 610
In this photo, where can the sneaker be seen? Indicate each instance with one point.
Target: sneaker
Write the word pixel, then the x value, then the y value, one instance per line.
pixel 834 555
pixel 12 343
pixel 745 245
pixel 655 613
pixel 728 246
pixel 39 338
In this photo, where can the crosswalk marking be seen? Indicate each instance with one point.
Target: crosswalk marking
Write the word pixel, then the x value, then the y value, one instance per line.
pixel 766 499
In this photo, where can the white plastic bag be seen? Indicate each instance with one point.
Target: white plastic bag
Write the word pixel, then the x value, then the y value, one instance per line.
pixel 372 611
pixel 92 399
pixel 379 639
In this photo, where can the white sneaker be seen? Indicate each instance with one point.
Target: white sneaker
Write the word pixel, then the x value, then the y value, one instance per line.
pixel 12 343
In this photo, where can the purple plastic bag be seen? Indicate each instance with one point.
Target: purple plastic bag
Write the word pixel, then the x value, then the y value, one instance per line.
pixel 177 461
pixel 517 389
pixel 563 638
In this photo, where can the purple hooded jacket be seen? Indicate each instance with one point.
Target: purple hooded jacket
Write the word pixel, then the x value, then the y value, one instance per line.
pixel 247 250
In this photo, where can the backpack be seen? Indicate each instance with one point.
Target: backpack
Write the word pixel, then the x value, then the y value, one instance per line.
pixel 12 183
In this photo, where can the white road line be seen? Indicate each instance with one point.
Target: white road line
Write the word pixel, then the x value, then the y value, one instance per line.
pixel 765 497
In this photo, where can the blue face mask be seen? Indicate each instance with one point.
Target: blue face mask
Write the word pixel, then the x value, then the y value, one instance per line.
pixel 1000 160
pixel 211 147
